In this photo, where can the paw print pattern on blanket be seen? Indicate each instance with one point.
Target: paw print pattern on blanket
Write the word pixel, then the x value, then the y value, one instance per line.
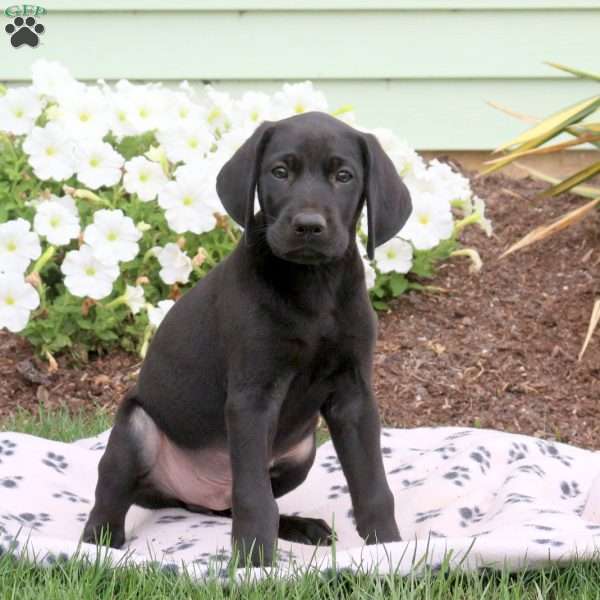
pixel 10 481
pixel 182 544
pixel 167 519
pixel 400 469
pixel 569 490
pixel 458 475
pixel 218 558
pixel 540 527
pixel 427 515
pixel 507 496
pixel 516 498
pixel 29 520
pixel 550 450
pixel 70 497
pixel 335 491
pixel 482 457
pixel 518 451
pixel 386 452
pixel 548 542
pixel 55 461
pixel 331 464
pixel 446 452
pixel 7 449
pixel 470 515
pixel 412 483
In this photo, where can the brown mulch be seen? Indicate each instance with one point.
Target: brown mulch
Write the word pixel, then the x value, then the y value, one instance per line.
pixel 497 349
pixel 500 348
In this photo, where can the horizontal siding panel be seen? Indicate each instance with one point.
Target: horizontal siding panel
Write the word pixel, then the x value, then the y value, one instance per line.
pixel 422 67
pixel 450 115
pixel 326 45
pixel 315 5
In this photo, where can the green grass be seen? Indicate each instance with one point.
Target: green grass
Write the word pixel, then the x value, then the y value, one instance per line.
pixel 60 424
pixel 72 580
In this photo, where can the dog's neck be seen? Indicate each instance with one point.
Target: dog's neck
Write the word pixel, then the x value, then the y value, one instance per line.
pixel 300 283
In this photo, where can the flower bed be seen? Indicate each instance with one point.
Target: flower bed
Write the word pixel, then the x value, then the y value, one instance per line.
pixel 108 207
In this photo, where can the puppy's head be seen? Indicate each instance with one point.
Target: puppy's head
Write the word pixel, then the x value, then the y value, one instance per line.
pixel 313 173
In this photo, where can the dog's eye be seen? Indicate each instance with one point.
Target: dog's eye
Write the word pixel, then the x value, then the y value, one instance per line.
pixel 280 172
pixel 343 176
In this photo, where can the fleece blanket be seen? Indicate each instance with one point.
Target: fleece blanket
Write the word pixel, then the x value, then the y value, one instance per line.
pixel 476 498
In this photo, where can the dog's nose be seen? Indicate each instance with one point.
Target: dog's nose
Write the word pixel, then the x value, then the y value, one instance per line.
pixel 309 223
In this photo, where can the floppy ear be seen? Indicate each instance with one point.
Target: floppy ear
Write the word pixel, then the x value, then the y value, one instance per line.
pixel 387 198
pixel 237 179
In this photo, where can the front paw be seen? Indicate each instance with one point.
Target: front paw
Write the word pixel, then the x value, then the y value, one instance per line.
pixel 103 534
pixel 379 531
pixel 382 535
pixel 252 553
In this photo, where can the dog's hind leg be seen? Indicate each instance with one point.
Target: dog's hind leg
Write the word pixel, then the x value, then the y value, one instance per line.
pixel 303 530
pixel 119 473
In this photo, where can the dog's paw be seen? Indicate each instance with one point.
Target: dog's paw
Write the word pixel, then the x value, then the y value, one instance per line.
pixel 103 534
pixel 304 530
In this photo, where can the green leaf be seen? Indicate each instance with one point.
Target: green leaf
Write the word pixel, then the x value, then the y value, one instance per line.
pixel 573 180
pixel 587 191
pixel 379 305
pixel 577 72
pixel 398 284
pixel 555 123
pixel 424 261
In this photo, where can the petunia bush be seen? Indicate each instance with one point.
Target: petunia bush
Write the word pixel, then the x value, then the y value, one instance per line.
pixel 109 212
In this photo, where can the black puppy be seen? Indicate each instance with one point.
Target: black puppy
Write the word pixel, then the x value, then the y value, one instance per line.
pixel 224 413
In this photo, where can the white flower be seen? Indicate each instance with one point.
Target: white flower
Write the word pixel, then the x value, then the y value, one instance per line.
pixel 429 223
pixel 85 114
pixel 112 236
pixel 405 159
pixel 183 112
pixel 187 144
pixel 147 108
pixel 157 313
pixel 98 164
pixel 19 108
pixel 370 275
pixel 51 79
pixel 18 246
pixel 50 152
pixel 253 107
pixel 85 275
pixel 176 265
pixel 450 183
pixel 144 178
pixel 229 143
pixel 297 98
pixel 17 300
pixel 190 201
pixel 395 255
pixel 119 113
pixel 134 298
pixel 68 202
pixel 440 181
pixel 57 223
pixel 219 110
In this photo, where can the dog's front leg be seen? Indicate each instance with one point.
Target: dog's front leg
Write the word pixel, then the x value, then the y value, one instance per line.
pixel 251 417
pixel 353 421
